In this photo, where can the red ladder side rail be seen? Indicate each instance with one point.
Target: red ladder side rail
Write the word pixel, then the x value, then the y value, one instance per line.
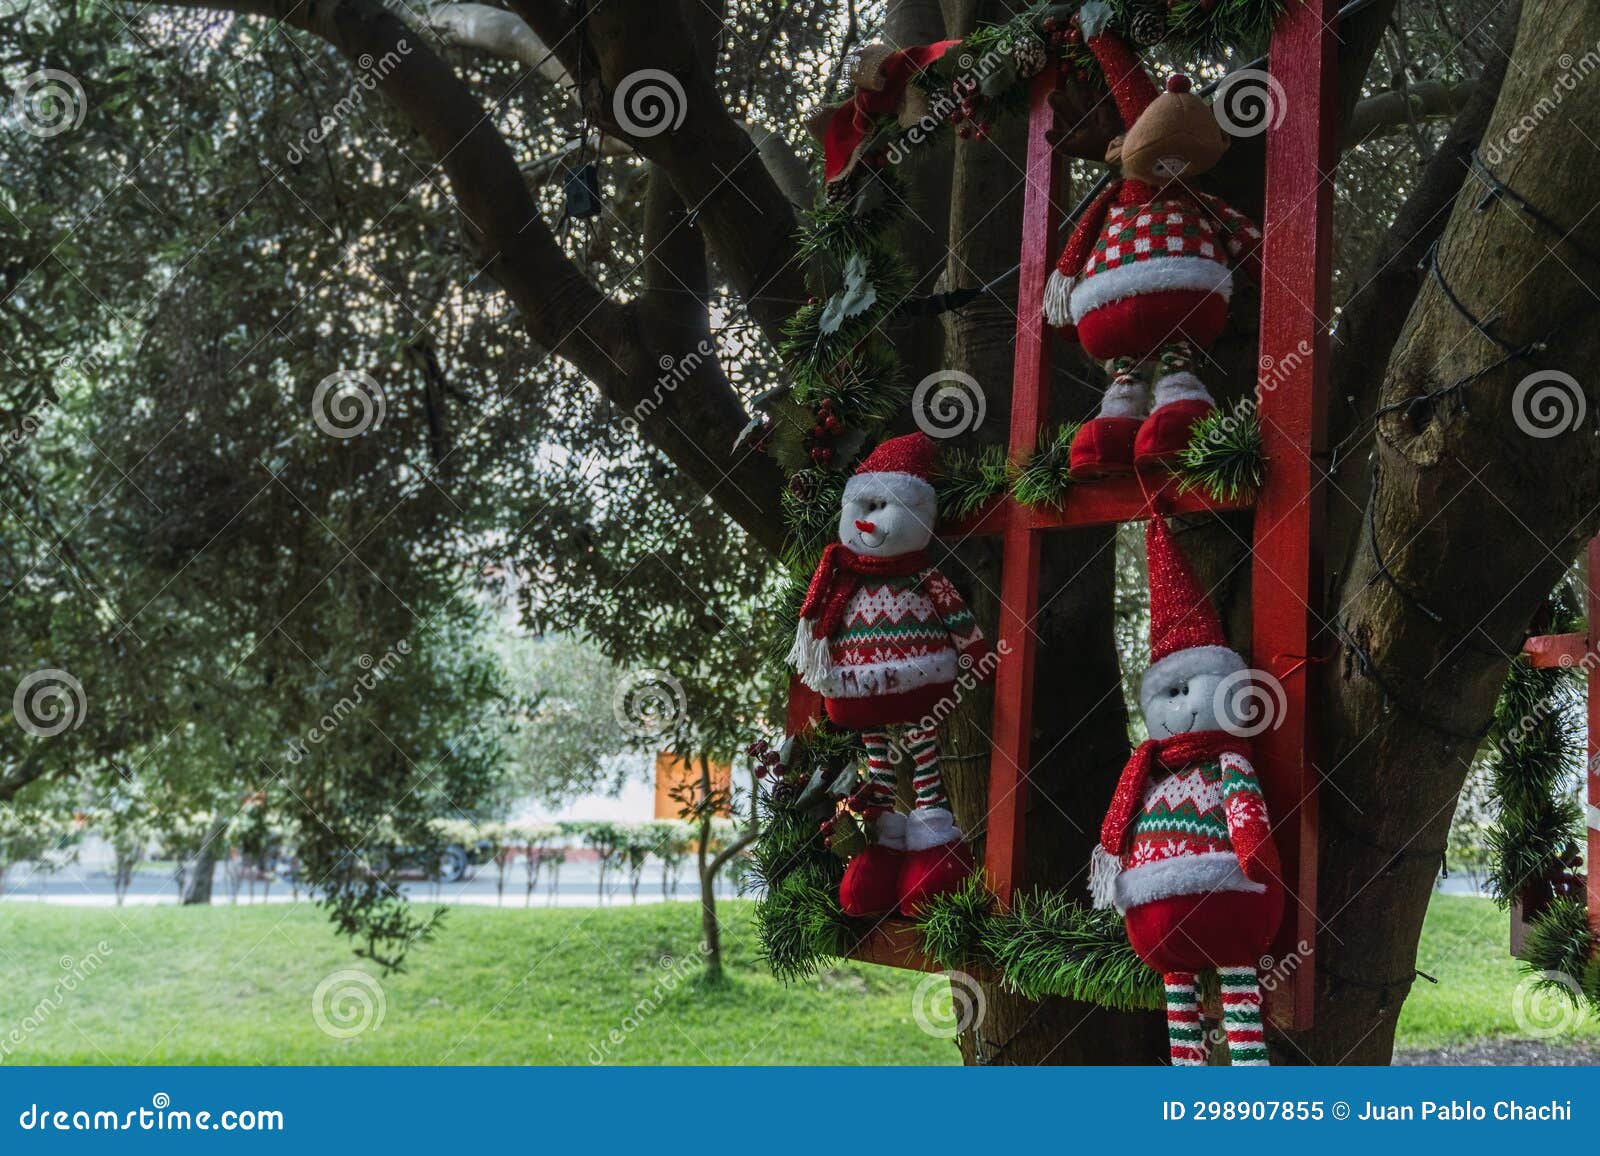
pixel 1297 262
pixel 1019 573
pixel 1582 651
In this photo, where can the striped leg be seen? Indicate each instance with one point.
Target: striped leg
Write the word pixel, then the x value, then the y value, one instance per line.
pixel 923 747
pixel 879 791
pixel 1241 1015
pixel 1183 1020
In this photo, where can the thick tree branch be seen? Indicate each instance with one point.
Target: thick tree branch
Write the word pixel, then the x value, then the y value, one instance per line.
pixel 499 33
pixel 561 309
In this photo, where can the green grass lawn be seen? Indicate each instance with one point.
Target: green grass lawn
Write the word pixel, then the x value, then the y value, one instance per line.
pixel 236 985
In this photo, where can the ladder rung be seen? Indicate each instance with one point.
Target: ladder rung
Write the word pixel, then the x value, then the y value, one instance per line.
pixel 1101 503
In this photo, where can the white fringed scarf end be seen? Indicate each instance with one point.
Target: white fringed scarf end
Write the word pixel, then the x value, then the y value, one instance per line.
pixel 811 657
pixel 1058 299
pixel 1104 867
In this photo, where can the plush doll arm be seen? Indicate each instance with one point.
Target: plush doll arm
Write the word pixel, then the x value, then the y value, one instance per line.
pixel 1242 238
pixel 958 619
pixel 1074 258
pixel 1248 828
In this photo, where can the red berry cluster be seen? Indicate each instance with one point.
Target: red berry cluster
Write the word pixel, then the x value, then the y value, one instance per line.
pixel 1066 35
pixel 765 758
pixel 969 102
pixel 828 427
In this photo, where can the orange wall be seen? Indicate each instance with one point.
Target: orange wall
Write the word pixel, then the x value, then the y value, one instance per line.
pixel 672 772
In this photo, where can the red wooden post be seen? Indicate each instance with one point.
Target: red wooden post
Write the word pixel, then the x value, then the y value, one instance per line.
pixel 1019 577
pixel 1297 261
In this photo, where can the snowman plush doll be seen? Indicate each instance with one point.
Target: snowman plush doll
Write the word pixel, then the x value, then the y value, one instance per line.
pixel 1144 281
pixel 883 637
pixel 1186 852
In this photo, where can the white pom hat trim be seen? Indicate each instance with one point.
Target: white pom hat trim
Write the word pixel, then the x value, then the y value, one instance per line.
pixel 1182 665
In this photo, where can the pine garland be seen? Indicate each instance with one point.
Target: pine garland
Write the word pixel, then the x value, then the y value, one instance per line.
pixel 1224 456
pixel 966 479
pixel 1539 824
pixel 1043 479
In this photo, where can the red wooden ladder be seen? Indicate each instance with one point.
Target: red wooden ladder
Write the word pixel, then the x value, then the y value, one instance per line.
pixel 1287 565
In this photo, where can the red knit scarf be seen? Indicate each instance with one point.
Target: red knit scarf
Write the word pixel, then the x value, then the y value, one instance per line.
pixel 828 596
pixel 1173 753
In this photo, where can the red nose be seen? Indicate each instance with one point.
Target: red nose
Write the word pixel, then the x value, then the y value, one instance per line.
pixel 866 527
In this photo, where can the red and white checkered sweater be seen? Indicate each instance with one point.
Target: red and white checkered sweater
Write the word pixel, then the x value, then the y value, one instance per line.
pixel 903 642
pixel 1134 240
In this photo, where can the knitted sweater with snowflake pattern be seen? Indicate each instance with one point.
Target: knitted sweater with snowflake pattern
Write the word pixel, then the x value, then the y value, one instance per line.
pixel 903 642
pixel 1183 839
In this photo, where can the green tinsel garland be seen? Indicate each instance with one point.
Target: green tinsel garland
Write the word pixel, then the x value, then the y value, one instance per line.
pixel 1536 744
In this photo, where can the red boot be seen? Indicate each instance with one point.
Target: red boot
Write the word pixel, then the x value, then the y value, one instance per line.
pixel 871 884
pixel 1165 432
pixel 937 859
pixel 1103 447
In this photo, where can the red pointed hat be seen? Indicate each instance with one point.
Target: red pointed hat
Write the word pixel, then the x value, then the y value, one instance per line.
pixel 1131 86
pixel 1186 636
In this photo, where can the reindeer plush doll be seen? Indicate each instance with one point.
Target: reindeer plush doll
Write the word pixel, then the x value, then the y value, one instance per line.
pixel 1186 851
pixel 884 637
pixel 1145 279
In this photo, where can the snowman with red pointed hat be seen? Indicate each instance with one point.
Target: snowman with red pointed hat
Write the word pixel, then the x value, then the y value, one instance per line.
pixel 883 637
pixel 1186 852
pixel 1144 281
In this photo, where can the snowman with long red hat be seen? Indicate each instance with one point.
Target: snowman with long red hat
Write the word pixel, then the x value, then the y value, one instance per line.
pixel 1186 852
pixel 883 637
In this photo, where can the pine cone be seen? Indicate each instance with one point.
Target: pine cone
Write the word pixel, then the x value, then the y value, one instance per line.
pixel 1149 26
pixel 1029 56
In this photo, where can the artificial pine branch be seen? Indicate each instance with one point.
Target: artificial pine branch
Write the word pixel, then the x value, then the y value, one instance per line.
pixel 1044 478
pixel 965 479
pixel 1223 456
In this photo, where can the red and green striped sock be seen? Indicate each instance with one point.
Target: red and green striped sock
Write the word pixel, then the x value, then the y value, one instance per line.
pixel 880 771
pixel 1241 1016
pixel 923 747
pixel 1184 1033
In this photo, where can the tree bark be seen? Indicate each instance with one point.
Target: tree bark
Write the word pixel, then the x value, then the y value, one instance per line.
pixel 1461 490
pixel 197 890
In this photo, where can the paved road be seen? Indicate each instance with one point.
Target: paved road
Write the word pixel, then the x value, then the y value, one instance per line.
pixel 89 885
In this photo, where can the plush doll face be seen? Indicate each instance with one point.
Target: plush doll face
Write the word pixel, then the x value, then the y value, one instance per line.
pixel 1176 137
pixel 884 518
pixel 1184 697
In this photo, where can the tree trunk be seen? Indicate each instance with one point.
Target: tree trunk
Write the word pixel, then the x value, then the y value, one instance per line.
pixel 710 929
pixel 198 890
